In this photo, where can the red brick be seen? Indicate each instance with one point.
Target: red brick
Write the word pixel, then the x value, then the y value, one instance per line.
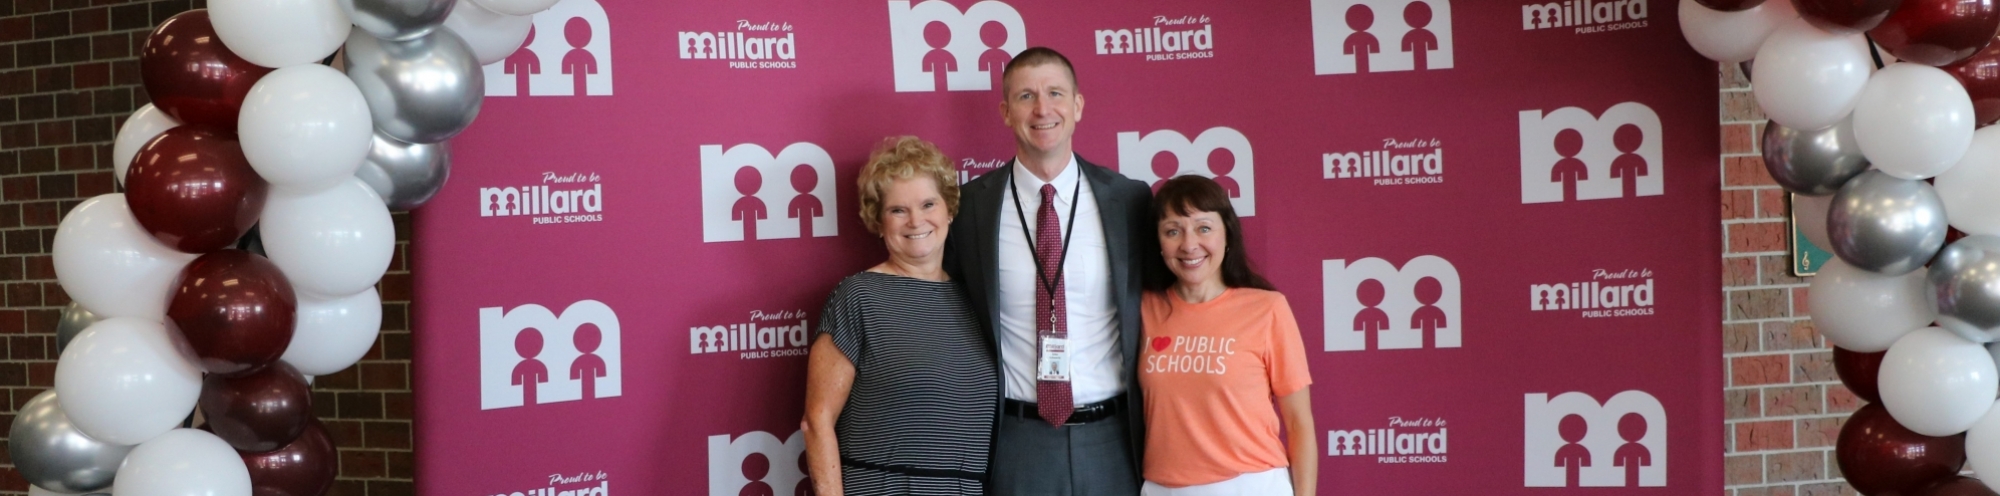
pixel 399 406
pixel 360 405
pixel 1739 204
pixel 1742 403
pixel 81 157
pixel 38 160
pixel 1820 432
pixel 1731 76
pixel 1799 306
pixel 110 46
pixel 1813 367
pixel 12 321
pixel 1739 338
pixel 1776 270
pixel 93 75
pixel 1757 237
pixel 345 433
pixel 1792 400
pixel 92 184
pixel 381 375
pixel 1795 467
pixel 387 435
pixel 1790 335
pixel 53 79
pixel 1745 171
pixel 1738 106
pixel 1763 436
pixel 41 267
pixel 89 20
pixel 1750 304
pixel 1771 203
pixel 391 488
pixel 395 287
pixel 55 133
pixel 52 25
pixel 1739 138
pixel 362 464
pixel 1760 370
pixel 1841 400
pixel 17 29
pixel 43 320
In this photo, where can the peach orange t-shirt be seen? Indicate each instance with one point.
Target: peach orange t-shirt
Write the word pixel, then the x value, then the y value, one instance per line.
pixel 1210 371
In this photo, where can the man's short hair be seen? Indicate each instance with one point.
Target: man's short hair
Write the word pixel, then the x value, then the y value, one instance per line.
pixel 1037 56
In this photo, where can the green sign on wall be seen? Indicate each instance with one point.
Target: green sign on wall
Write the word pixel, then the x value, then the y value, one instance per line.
pixel 1806 257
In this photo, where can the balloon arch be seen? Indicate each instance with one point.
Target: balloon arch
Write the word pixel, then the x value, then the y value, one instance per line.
pixel 1879 112
pixel 242 258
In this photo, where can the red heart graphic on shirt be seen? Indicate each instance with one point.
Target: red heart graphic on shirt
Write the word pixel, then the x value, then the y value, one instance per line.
pixel 1161 343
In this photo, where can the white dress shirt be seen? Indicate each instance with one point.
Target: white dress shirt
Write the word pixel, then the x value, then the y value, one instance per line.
pixel 1096 363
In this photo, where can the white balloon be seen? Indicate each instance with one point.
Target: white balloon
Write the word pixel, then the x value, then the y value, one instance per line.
pixel 331 243
pixel 1913 121
pixel 126 380
pixel 492 35
pixel 108 263
pixel 1810 214
pixel 1936 383
pixel 1864 311
pixel 280 33
pixel 184 462
pixel 144 124
pixel 305 127
pixel 1968 189
pixel 333 333
pixel 1808 79
pixel 1982 448
pixel 516 7
pixel 1732 37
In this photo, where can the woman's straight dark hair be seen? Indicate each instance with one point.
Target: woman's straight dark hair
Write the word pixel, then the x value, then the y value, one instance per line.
pixel 1186 195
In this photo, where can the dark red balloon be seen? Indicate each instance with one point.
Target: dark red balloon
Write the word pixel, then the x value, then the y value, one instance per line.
pixel 305 467
pixel 1731 5
pixel 1980 75
pixel 1878 455
pixel 1857 370
pixel 236 310
pixel 1846 16
pixel 191 76
pixel 1938 32
pixel 260 411
pixel 1957 486
pixel 193 190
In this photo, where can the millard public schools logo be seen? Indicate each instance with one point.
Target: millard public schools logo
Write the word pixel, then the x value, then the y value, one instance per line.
pixel 1572 441
pixel 1372 305
pixel 560 198
pixel 1587 16
pixel 752 45
pixel 937 47
pixel 1399 162
pixel 774 335
pixel 749 194
pixel 1362 36
pixel 1569 154
pixel 1219 153
pixel 529 355
pixel 1622 293
pixel 578 484
pixel 1416 440
pixel 757 463
pixel 567 53
pixel 1168 38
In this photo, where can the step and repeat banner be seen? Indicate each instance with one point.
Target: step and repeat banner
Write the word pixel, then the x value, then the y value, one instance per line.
pixel 1495 220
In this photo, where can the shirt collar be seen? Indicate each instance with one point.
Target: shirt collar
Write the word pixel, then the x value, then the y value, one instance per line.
pixel 1025 182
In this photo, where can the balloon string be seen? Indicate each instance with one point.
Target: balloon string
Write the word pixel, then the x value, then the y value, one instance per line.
pixel 1872 52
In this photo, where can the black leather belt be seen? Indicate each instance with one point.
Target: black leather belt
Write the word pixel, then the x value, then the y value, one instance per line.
pixel 1083 414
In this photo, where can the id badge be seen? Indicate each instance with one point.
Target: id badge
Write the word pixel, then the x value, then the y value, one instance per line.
pixel 1054 363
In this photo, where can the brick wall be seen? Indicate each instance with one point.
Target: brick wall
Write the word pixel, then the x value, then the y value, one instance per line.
pixel 68 78
pixel 1783 405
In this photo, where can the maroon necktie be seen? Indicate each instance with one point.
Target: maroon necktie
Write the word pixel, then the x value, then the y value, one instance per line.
pixel 1051 318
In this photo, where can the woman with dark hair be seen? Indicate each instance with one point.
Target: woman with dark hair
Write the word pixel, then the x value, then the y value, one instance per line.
pixel 1221 342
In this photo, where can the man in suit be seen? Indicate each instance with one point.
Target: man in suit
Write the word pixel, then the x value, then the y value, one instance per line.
pixel 1050 251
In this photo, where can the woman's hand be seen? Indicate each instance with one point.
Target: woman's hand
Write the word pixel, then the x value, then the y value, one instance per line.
pixel 829 377
pixel 1301 440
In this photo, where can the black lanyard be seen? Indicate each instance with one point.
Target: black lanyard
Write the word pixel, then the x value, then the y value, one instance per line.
pixel 1047 283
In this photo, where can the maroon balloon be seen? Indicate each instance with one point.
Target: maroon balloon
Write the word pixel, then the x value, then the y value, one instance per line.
pixel 1957 486
pixel 260 411
pixel 1980 74
pixel 1938 32
pixel 193 190
pixel 1857 370
pixel 1878 455
pixel 305 467
pixel 191 76
pixel 236 310
pixel 1846 16
pixel 1731 5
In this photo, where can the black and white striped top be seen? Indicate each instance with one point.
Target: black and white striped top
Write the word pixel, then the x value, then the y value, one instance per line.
pixel 926 387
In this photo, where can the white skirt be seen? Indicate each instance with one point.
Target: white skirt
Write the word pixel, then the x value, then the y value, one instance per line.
pixel 1273 482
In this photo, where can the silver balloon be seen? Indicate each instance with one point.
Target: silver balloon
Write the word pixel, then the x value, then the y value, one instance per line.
pixel 1813 163
pixel 397 19
pixel 74 319
pixel 405 174
pixel 1965 279
pixel 1886 225
pixel 424 90
pixel 51 454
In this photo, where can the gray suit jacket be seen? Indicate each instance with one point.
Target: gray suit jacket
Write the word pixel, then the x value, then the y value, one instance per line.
pixel 972 255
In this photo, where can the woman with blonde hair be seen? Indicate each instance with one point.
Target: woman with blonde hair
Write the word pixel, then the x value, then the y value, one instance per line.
pixel 901 388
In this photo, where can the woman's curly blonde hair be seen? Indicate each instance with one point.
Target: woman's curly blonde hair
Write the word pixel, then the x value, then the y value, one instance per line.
pixel 900 158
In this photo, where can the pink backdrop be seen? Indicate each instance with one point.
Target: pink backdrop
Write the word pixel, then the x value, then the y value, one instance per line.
pixel 1545 182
